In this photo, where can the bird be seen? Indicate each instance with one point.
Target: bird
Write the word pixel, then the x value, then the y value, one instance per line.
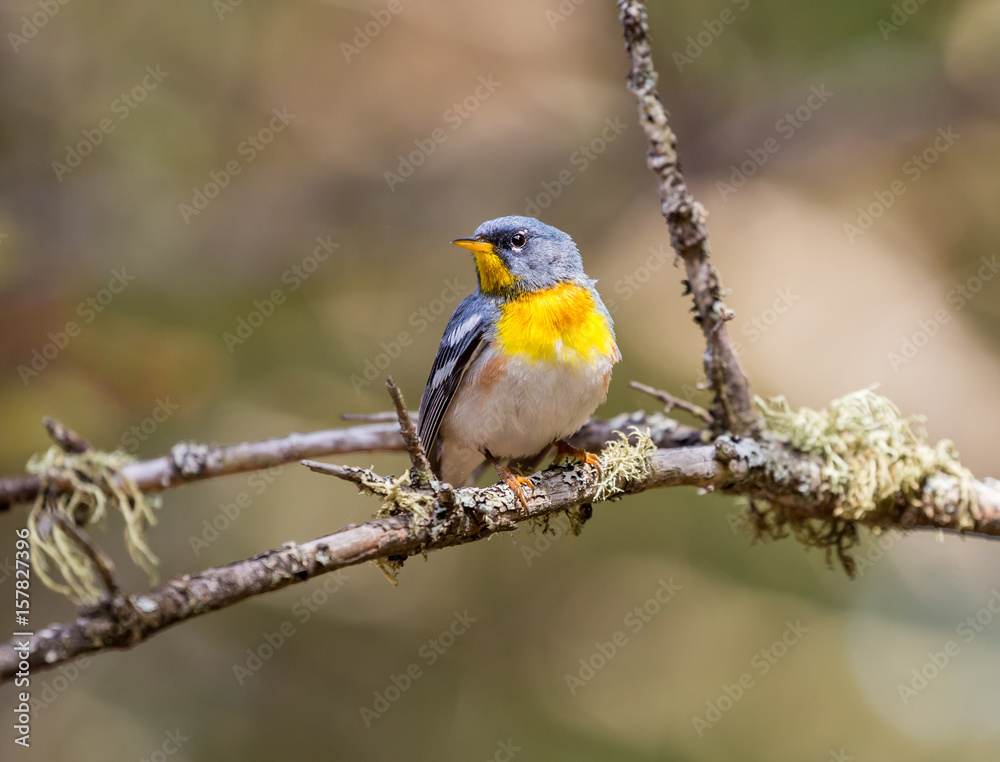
pixel 524 360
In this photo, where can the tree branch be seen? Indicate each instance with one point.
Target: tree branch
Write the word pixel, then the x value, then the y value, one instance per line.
pixel 670 402
pixel 685 218
pixel 190 462
pixel 762 469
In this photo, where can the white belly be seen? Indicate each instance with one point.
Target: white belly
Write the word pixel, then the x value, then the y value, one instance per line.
pixel 518 412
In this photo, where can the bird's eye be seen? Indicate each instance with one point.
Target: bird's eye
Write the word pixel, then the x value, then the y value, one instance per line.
pixel 518 240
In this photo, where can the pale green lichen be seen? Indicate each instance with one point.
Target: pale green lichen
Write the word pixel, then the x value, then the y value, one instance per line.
pixel 621 462
pixel 398 497
pixel 96 488
pixel 390 569
pixel 871 457
pixel 624 462
pixel 871 454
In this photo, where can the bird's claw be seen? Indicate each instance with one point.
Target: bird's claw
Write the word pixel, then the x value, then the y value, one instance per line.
pixel 516 484
pixel 565 450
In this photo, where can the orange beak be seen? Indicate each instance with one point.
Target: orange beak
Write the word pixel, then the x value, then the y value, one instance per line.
pixel 474 245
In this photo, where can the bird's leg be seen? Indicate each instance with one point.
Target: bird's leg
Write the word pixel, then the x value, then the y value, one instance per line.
pixel 515 483
pixel 565 450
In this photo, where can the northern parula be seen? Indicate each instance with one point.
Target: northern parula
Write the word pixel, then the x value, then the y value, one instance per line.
pixel 524 360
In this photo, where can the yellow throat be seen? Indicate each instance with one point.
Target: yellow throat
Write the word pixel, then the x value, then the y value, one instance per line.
pixel 560 323
pixel 494 277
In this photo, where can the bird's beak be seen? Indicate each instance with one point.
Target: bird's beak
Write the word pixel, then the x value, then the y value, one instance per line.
pixel 494 275
pixel 475 246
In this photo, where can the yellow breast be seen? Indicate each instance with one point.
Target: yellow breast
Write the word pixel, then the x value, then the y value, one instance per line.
pixel 559 323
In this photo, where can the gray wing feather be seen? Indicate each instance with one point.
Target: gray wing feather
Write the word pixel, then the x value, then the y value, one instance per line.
pixel 464 338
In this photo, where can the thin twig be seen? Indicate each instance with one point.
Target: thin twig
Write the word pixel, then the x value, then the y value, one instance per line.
pixel 685 218
pixel 382 417
pixel 670 402
pixel 347 473
pixel 411 439
pixel 64 436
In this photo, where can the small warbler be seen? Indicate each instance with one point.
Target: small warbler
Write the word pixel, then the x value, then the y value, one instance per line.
pixel 524 360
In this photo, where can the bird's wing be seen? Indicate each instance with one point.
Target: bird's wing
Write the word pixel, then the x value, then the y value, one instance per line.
pixel 465 336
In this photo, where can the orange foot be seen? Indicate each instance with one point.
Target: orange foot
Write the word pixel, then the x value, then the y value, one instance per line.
pixel 565 450
pixel 515 483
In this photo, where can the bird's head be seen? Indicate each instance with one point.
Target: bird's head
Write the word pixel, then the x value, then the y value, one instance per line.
pixel 517 255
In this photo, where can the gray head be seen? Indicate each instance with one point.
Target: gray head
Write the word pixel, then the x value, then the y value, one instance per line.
pixel 520 254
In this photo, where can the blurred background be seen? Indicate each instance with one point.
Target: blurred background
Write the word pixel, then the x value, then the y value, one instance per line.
pixel 227 221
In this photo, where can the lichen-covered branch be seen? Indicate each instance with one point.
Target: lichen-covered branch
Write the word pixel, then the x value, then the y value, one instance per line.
pixel 189 462
pixel 792 483
pixel 685 218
